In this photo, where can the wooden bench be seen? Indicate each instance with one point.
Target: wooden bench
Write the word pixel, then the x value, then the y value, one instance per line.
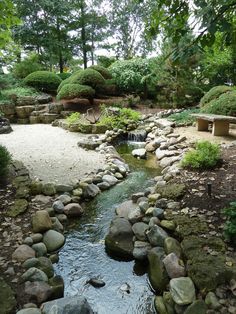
pixel 220 123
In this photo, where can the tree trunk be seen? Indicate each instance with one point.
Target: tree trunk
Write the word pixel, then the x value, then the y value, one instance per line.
pixel 83 34
pixel 60 57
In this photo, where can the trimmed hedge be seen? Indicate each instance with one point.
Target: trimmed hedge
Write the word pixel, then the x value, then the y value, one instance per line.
pixel 64 82
pixel 71 91
pixel 103 71
pixel 224 105
pixel 214 93
pixel 88 77
pixel 43 80
pixel 64 75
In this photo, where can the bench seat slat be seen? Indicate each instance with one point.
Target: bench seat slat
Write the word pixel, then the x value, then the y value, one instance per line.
pixel 214 117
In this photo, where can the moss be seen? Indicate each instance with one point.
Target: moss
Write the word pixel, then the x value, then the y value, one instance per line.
pixel 172 191
pixel 7 298
pixel 214 93
pixel 189 226
pixel 88 77
pixel 19 207
pixel 43 80
pixel 103 71
pixel 70 91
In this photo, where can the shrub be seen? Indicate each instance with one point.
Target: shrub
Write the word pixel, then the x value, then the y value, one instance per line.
pixel 230 226
pixel 75 116
pixel 63 76
pixel 25 67
pixel 43 80
pixel 206 155
pixel 129 74
pixel 5 159
pixel 88 77
pixel 64 82
pixel 214 93
pixel 20 91
pixel 184 117
pixel 224 105
pixel 70 91
pixel 120 119
pixel 108 88
pixel 103 71
pixel 106 61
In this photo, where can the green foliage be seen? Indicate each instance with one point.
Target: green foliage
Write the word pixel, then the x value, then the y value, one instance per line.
pixel 5 159
pixel 25 67
pixel 64 82
pixel 43 80
pixel 214 93
pixel 20 91
pixel 206 155
pixel 74 117
pixel 106 61
pixel 119 118
pixel 224 105
pixel 129 74
pixel 88 77
pixel 103 71
pixel 8 81
pixel 230 225
pixel 184 117
pixel 172 191
pixel 70 91
pixel 63 76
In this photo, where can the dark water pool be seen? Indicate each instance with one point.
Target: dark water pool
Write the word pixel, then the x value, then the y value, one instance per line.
pixel 84 256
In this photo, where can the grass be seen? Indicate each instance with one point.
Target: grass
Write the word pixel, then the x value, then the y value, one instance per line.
pixel 184 117
pixel 20 91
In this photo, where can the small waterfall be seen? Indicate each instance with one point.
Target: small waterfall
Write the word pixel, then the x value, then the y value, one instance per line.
pixel 137 136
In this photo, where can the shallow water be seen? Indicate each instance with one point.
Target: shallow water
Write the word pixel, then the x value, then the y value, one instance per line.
pixel 84 255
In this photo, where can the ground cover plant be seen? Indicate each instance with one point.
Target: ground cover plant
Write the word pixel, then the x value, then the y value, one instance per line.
pixel 230 225
pixel 74 117
pixel 5 159
pixel 184 117
pixel 205 155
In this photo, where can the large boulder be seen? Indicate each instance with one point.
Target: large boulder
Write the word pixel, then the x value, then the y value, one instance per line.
pixel 53 240
pixel 156 271
pixel 119 240
pixel 41 221
pixel 34 274
pixel 182 290
pixel 68 305
pixel 156 236
pixel 73 210
pixel 22 253
pixel 139 153
pixel 37 292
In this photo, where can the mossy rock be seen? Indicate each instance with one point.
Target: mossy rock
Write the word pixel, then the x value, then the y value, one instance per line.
pixel 7 298
pixel 36 188
pixel 20 181
pixel 189 226
pixel 19 207
pixel 172 191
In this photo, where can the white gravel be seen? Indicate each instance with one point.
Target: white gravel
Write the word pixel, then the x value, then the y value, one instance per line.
pixel 51 153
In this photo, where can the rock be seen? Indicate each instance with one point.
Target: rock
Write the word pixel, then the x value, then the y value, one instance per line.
pixel 156 236
pixel 41 221
pixel 136 196
pixel 58 206
pixel 143 206
pixel 29 311
pixel 160 305
pixel 153 221
pixel 57 285
pixel 62 188
pixel 19 207
pixel 90 191
pixel 120 238
pixel 46 266
pixel 182 290
pixel 156 269
pixel 118 176
pixel 34 274
pixel 64 198
pixel 111 180
pixel 36 188
pixel 141 250
pixel 73 210
pixel 7 298
pixel 171 245
pixel 168 224
pixel 53 240
pixel 36 237
pixel 37 291
pixel 139 229
pixel 158 212
pixel 135 215
pixel 139 153
pixel 78 192
pixel 31 262
pixel 67 305
pixel 173 266
pixel 125 208
pixel 97 283
pixel 103 186
pixel 62 218
pixel 169 303
pixel 212 301
pixel 42 199
pixel 22 192
pixel 40 249
pixel 152 198
pixel 28 241
pixel 49 189
pixel 197 307
pixel 22 253
pixel 56 225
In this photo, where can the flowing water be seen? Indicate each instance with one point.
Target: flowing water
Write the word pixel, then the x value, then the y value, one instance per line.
pixel 83 255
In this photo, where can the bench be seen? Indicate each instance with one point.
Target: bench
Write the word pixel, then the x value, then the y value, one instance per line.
pixel 220 123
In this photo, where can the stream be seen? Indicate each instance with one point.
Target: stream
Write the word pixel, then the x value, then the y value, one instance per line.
pixel 83 255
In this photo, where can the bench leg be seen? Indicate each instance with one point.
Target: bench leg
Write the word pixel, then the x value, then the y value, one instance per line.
pixel 202 125
pixel 220 128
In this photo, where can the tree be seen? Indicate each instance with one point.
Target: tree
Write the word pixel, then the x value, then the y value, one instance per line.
pixel 8 19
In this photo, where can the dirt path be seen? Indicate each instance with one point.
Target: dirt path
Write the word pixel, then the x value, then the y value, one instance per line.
pixel 50 153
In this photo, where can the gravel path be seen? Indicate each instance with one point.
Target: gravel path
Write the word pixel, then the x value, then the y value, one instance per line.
pixel 50 153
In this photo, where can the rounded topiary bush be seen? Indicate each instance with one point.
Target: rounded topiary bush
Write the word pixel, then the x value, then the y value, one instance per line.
pixel 5 159
pixel 88 77
pixel 225 104
pixel 103 71
pixel 64 75
pixel 64 82
pixel 214 93
pixel 43 80
pixel 71 91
